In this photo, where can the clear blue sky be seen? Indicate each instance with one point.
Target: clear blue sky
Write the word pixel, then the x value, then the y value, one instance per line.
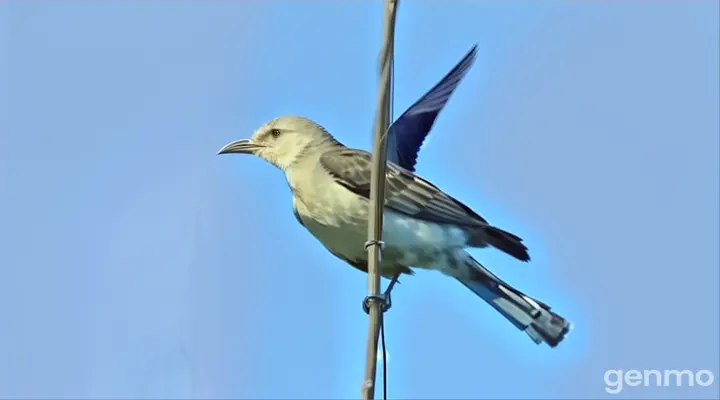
pixel 136 263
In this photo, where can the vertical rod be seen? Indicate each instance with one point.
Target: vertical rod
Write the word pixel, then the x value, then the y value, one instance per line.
pixel 377 198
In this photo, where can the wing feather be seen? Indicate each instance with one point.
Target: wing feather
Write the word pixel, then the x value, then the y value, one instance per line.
pixel 408 132
pixel 405 192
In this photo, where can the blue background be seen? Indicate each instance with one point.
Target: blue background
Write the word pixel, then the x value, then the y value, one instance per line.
pixel 136 263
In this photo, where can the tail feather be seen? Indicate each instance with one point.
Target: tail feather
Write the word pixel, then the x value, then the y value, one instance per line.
pixel 502 240
pixel 529 315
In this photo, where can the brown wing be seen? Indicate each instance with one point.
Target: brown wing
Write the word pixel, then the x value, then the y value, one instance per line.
pixel 405 192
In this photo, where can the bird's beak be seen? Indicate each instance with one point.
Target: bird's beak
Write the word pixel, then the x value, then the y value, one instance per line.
pixel 245 146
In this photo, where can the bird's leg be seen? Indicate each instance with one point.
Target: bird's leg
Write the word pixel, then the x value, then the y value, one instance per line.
pixel 384 298
pixel 388 299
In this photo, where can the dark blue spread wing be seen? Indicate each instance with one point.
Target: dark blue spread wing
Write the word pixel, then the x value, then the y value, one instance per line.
pixel 409 131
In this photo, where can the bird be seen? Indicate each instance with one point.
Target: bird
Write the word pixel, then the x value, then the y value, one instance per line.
pixel 407 134
pixel 424 227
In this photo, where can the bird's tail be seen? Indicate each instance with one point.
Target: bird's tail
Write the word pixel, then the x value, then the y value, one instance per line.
pixel 501 240
pixel 528 314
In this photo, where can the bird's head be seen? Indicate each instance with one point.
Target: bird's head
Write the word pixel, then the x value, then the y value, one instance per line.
pixel 282 141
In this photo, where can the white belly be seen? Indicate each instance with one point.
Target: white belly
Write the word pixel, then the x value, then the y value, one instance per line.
pixel 339 221
pixel 408 241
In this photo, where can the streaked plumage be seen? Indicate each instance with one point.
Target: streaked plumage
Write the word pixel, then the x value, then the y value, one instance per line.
pixel 413 196
pixel 423 226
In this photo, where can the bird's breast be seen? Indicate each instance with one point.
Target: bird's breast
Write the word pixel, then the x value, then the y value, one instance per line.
pixel 408 241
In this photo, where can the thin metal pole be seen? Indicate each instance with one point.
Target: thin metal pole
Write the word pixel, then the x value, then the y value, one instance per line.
pixel 377 199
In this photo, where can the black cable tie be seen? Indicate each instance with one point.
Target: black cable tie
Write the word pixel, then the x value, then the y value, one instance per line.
pixel 385 300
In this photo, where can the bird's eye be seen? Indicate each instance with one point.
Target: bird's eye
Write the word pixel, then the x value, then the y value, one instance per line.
pixel 275 132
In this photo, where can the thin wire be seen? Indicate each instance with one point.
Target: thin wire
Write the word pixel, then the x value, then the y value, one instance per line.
pixel 382 314
pixel 392 84
pixel 382 340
